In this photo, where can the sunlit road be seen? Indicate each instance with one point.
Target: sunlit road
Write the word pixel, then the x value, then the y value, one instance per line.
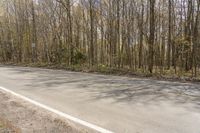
pixel 119 104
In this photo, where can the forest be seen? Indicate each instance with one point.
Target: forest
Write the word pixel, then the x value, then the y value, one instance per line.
pixel 145 36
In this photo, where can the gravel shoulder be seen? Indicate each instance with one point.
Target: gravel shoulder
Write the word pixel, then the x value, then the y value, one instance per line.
pixel 6 127
pixel 17 116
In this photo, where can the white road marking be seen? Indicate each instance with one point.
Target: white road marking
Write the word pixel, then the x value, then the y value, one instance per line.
pixel 69 117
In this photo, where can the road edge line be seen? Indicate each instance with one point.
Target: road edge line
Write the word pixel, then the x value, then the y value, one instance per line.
pixel 66 116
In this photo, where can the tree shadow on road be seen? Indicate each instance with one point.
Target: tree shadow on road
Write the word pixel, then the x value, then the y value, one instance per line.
pixel 117 89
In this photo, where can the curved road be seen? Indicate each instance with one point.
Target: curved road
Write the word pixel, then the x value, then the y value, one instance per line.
pixel 119 104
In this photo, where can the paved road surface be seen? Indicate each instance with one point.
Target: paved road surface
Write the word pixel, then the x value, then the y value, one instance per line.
pixel 119 104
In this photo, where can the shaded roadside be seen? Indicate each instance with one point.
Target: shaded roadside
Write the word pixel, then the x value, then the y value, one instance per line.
pixel 109 71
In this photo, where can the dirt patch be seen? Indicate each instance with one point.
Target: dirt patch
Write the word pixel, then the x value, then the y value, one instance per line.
pixel 7 127
pixel 17 116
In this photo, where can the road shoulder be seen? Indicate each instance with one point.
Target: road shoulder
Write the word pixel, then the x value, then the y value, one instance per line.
pixel 24 117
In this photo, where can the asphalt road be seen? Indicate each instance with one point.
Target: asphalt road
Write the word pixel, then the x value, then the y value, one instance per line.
pixel 119 104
